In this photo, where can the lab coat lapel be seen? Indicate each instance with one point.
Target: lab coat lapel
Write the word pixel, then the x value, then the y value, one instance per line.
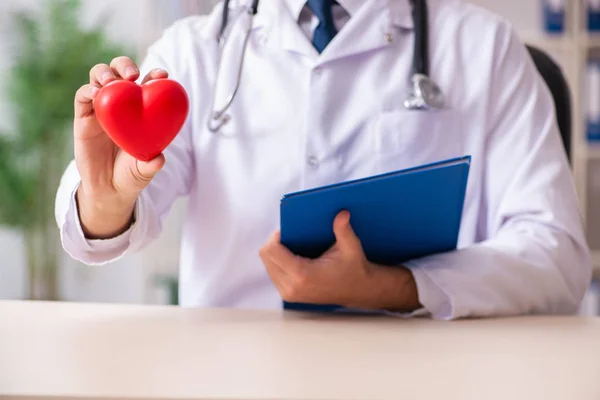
pixel 375 25
pixel 292 37
pixel 276 21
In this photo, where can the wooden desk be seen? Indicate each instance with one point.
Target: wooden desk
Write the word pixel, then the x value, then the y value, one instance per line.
pixel 75 351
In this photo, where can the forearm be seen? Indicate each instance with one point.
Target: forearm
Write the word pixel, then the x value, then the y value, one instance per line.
pixel 388 288
pixel 74 242
pixel 130 237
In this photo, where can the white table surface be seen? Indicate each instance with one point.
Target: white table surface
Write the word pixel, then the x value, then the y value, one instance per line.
pixel 75 351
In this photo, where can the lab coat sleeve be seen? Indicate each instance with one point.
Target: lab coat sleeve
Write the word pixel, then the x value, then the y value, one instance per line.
pixel 534 258
pixel 152 205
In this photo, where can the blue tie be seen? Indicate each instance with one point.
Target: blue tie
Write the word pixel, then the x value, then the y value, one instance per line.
pixel 326 31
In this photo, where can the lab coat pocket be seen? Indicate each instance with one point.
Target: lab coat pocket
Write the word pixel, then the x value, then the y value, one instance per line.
pixel 409 138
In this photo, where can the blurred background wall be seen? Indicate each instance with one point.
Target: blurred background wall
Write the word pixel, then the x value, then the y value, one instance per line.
pixel 138 23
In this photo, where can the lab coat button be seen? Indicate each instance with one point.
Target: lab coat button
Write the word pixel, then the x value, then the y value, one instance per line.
pixel 313 161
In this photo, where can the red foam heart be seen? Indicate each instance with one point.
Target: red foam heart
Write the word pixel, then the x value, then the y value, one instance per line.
pixel 142 119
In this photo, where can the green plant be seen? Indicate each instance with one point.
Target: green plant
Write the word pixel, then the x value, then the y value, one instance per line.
pixel 55 54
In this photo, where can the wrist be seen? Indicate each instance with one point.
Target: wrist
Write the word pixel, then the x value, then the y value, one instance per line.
pixel 103 217
pixel 389 288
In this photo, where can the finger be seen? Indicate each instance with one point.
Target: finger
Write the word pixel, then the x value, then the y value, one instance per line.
pixel 84 100
pixel 345 237
pixel 157 73
pixel 280 255
pixel 274 252
pixel 101 74
pixel 125 68
pixel 140 172
pixel 285 283
pixel 277 275
pixel 267 249
pixel 147 169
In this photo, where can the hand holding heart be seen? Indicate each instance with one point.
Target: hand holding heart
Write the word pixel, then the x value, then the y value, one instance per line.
pixel 118 144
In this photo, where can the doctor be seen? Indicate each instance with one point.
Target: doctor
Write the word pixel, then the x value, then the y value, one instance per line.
pixel 330 91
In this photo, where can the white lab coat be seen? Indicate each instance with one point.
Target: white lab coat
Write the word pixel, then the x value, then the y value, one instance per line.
pixel 303 120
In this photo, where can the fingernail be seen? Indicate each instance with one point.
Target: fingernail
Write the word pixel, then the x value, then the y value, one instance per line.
pixel 107 76
pixel 94 91
pixel 131 71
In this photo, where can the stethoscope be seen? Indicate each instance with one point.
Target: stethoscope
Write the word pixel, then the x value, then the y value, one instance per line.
pixel 425 94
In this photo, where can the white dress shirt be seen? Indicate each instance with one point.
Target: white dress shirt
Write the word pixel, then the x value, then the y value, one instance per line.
pixel 303 119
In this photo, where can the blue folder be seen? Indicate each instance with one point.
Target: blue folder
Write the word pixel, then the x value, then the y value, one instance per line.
pixel 398 216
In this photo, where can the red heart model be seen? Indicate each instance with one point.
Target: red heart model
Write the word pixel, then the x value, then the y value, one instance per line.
pixel 142 119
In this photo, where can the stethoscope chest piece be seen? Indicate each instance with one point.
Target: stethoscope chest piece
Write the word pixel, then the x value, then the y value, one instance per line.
pixel 425 94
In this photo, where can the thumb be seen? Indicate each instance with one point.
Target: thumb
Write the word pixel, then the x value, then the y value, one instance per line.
pixel 145 170
pixel 345 237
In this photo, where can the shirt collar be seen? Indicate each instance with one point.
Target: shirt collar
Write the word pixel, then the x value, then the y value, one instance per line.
pixel 400 11
pixel 296 6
